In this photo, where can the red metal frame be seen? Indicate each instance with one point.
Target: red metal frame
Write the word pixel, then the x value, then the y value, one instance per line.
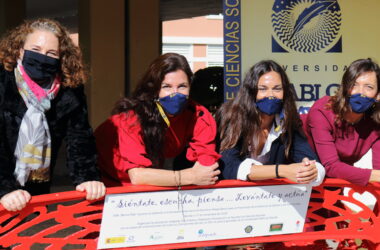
pixel 66 219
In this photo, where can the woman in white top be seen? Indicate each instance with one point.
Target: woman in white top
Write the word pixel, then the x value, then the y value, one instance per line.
pixel 261 133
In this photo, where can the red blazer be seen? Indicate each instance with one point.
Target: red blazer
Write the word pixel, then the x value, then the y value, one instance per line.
pixel 121 147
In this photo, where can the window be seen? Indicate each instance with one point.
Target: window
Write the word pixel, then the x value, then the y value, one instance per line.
pixel 183 49
pixel 214 55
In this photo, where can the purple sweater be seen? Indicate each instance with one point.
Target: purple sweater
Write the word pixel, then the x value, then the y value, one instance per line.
pixel 338 149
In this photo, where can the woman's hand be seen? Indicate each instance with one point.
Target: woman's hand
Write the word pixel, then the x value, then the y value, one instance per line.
pixel 303 172
pixel 375 176
pixel 308 172
pixel 94 189
pixel 15 200
pixel 204 175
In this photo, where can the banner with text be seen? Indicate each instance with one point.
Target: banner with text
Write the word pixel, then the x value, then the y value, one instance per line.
pixel 152 218
pixel 314 41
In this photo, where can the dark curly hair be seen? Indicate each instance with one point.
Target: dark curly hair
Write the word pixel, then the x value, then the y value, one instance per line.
pixel 142 102
pixel 72 68
pixel 239 119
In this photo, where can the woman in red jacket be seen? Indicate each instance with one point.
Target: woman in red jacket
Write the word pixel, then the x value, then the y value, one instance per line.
pixel 159 122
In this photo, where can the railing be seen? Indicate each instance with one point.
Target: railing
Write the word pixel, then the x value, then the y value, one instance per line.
pixel 67 221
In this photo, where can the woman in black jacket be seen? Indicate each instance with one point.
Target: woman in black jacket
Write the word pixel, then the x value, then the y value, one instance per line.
pixel 260 131
pixel 42 102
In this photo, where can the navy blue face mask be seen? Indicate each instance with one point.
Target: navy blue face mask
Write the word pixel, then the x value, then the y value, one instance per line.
pixel 42 69
pixel 270 105
pixel 360 103
pixel 173 104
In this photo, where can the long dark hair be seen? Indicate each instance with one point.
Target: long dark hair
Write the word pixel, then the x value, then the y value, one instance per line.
pixel 239 119
pixel 142 102
pixel 340 102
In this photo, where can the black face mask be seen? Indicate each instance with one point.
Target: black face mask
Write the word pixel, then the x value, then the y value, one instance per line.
pixel 40 68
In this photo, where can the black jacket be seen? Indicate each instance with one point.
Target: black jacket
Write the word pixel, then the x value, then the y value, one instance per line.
pixel 300 148
pixel 67 119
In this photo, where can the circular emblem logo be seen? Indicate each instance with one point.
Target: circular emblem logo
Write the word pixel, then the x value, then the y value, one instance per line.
pixel 306 25
pixel 248 229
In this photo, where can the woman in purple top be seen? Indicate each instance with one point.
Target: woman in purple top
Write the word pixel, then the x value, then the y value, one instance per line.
pixel 345 127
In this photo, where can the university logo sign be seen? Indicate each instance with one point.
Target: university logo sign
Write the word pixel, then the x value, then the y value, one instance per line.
pixel 306 26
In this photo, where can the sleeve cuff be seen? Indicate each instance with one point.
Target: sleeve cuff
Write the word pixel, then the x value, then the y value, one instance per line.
pixel 245 168
pixel 208 160
pixel 320 176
